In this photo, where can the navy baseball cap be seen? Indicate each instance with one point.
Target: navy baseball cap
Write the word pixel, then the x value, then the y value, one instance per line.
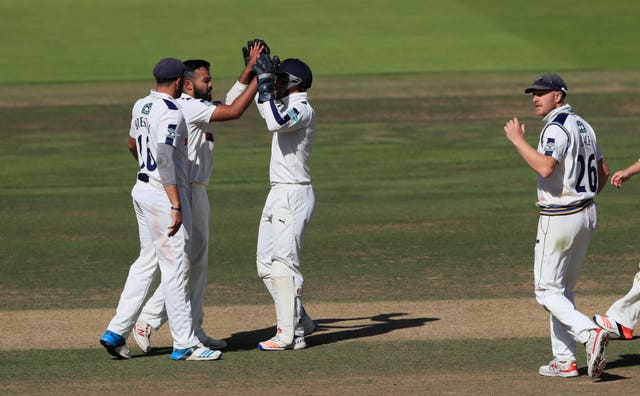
pixel 168 69
pixel 548 82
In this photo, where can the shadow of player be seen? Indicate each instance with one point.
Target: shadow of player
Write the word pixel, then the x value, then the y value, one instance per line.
pixel 341 330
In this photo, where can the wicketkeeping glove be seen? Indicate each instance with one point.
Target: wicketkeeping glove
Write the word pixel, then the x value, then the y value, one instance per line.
pixel 250 43
pixel 265 68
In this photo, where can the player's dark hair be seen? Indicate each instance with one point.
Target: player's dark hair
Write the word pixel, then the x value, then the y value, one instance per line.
pixel 192 65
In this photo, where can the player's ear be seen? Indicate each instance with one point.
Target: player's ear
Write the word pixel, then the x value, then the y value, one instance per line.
pixel 188 84
pixel 559 97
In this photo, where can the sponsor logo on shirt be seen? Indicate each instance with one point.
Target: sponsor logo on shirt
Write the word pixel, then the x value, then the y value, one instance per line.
pixel 294 114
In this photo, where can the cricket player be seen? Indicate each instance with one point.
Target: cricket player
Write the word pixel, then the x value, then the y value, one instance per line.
pixel 283 103
pixel 200 114
pixel 622 316
pixel 157 139
pixel 571 172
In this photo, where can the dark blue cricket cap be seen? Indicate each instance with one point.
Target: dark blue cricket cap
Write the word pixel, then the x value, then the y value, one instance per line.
pixel 548 82
pixel 168 69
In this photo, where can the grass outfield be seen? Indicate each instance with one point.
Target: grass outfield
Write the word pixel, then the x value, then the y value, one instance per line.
pixel 420 197
pixel 467 367
pixel 65 40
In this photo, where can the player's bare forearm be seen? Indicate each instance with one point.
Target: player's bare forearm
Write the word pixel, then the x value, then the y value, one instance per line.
pixel 132 148
pixel 541 164
pixel 603 174
pixel 176 222
pixel 623 175
pixel 238 106
pixel 176 209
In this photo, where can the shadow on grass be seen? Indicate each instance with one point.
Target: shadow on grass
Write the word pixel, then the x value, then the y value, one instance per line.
pixel 624 361
pixel 155 351
pixel 332 330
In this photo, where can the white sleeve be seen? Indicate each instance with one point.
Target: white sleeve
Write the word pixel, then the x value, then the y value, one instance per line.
pixel 282 119
pixel 554 141
pixel 235 91
pixel 166 166
pixel 168 127
pixel 134 116
pixel 258 105
pixel 198 111
pixel 168 138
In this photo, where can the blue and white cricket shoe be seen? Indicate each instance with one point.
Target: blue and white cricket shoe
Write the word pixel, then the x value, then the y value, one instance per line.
pixel 195 353
pixel 115 344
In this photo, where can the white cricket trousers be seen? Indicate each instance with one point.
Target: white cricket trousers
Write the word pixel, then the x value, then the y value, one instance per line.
pixel 158 251
pixel 561 246
pixel 286 213
pixel 154 312
pixel 626 310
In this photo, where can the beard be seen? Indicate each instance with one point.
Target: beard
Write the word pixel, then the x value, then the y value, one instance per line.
pixel 201 94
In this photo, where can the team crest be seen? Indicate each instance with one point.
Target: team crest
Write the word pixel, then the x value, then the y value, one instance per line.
pixel 147 108
pixel 550 146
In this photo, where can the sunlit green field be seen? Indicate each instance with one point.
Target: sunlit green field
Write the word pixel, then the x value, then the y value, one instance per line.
pixel 420 197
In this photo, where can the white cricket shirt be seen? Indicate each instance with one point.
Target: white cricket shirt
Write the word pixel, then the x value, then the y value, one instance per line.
pixel 572 142
pixel 197 113
pixel 157 119
pixel 293 124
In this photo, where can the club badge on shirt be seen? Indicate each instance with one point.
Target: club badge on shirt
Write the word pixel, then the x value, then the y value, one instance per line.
pixel 550 146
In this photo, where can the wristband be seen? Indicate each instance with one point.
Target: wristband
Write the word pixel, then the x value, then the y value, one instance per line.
pixel 178 209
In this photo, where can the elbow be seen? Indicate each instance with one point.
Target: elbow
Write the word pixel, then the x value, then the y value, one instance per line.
pixel 545 168
pixel 545 172
pixel 545 175
pixel 237 113
pixel 234 115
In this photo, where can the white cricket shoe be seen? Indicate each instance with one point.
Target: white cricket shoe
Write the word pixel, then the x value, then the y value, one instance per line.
pixel 276 344
pixel 196 353
pixel 613 327
pixel 595 348
pixel 212 343
pixel 560 368
pixel 142 335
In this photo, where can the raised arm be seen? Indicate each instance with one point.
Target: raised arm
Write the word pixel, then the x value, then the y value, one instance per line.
pixel 235 109
pixel 542 164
